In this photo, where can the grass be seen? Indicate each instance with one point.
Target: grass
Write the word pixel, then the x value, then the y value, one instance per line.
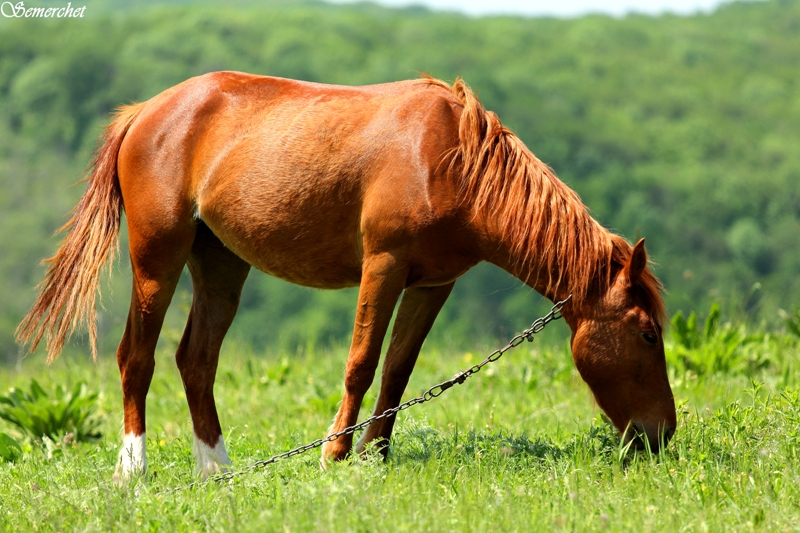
pixel 519 447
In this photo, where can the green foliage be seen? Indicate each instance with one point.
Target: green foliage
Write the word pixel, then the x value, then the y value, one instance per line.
pixel 725 348
pixel 53 415
pixel 685 332
pixel 791 320
pixel 9 448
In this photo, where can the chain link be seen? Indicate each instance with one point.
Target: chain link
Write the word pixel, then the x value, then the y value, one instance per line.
pixel 433 392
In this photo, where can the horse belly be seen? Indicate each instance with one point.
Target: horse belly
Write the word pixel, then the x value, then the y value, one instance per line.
pixel 298 230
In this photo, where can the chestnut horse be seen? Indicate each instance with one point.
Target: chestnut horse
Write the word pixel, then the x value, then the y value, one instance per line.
pixel 399 188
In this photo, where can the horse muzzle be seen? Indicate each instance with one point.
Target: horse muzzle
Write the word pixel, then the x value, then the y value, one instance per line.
pixel 643 437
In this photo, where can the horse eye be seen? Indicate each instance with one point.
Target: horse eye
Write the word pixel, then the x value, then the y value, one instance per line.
pixel 649 337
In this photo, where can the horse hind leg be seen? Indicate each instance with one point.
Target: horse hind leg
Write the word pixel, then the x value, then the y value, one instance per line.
pixel 217 279
pixel 157 266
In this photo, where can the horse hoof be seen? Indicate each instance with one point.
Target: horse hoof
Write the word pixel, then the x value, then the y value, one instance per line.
pixel 124 476
pixel 332 452
pixel 212 469
pixel 211 460
pixel 132 460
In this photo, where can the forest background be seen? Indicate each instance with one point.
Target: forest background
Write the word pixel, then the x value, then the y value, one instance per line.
pixel 681 129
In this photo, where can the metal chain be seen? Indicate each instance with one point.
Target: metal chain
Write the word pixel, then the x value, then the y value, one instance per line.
pixel 433 392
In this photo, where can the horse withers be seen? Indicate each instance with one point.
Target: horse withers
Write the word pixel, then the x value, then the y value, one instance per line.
pixel 397 188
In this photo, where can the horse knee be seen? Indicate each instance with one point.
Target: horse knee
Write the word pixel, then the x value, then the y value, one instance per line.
pixel 357 379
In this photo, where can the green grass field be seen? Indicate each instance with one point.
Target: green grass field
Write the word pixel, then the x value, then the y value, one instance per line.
pixel 520 447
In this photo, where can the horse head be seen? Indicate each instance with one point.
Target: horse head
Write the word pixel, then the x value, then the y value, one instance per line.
pixel 618 348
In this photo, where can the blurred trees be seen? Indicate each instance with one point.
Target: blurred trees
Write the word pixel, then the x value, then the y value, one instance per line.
pixel 684 130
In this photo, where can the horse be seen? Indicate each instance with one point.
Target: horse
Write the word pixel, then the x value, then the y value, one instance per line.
pixel 397 188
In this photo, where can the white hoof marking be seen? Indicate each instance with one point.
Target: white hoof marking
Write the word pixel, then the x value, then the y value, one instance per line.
pixel 132 457
pixel 210 460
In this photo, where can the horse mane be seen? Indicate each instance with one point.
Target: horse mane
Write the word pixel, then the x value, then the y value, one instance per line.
pixel 549 227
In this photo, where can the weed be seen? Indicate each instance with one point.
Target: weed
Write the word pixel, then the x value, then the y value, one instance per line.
pixel 725 348
pixel 9 448
pixel 39 414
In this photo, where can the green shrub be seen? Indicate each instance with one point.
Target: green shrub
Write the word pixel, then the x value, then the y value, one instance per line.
pixel 724 348
pixel 685 332
pixel 39 414
pixel 9 448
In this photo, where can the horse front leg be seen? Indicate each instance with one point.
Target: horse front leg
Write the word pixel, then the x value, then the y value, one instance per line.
pixel 382 282
pixel 418 310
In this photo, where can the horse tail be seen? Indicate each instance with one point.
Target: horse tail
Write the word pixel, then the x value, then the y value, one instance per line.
pixel 69 288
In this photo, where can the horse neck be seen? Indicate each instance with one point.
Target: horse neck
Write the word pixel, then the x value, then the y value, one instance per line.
pixel 548 241
pixel 500 250
pixel 537 276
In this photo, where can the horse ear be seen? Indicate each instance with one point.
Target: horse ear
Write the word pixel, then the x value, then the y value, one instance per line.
pixel 637 262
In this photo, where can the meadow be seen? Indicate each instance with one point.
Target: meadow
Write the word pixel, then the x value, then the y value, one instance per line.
pixel 519 447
